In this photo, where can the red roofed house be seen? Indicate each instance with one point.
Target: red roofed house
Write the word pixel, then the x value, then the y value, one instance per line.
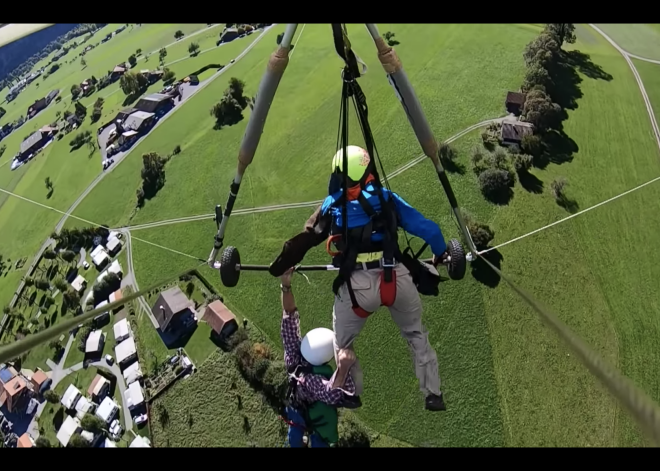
pixel 13 394
pixel 25 441
pixel 514 102
pixel 38 379
pixel 222 320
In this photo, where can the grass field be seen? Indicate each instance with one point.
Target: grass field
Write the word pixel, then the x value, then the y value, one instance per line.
pixel 640 39
pixel 507 379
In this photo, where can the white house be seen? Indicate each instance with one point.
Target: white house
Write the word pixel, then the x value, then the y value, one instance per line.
pixel 79 284
pixel 113 235
pixel 101 304
pixel 103 274
pixel 95 342
pixel 70 427
pixel 115 268
pixel 97 250
pixel 122 330
pixel 70 397
pixel 100 259
pixel 113 246
pixel 89 296
pixel 109 444
pixel 107 410
pixel 134 396
pixel 125 352
pixel 132 373
pixel 83 406
pixel 140 442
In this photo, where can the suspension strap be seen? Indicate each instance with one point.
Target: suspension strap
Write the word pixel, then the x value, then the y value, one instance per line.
pixel 343 48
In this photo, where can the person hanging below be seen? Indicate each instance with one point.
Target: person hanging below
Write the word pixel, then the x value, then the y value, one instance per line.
pixel 372 269
pixel 315 391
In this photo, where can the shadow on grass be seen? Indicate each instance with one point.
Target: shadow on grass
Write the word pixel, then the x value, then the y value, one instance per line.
pixel 530 182
pixel 453 166
pixel 569 204
pixel 133 97
pixel 501 196
pixel 228 121
pixel 50 193
pixel 483 273
pixel 565 91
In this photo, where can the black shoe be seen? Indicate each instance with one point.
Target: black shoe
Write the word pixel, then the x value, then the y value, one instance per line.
pixel 351 402
pixel 435 403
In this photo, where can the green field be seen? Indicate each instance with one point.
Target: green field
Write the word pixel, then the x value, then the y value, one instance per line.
pixel 640 39
pixel 508 380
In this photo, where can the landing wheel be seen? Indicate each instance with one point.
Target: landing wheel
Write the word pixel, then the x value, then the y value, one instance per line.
pixel 457 264
pixel 229 275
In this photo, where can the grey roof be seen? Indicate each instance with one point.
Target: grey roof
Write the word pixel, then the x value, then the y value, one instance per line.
pixel 135 120
pixel 31 141
pixel 172 301
pixel 515 131
pixel 53 94
pixel 156 97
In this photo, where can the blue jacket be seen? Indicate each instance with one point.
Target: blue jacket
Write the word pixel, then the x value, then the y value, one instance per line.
pixel 410 219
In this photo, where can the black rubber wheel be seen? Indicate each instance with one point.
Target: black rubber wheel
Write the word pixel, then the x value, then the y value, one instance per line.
pixel 229 275
pixel 457 264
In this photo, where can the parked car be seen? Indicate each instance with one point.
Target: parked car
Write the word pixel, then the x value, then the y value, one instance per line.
pixel 85 265
pixel 140 419
pixel 115 429
pixel 174 360
pixel 232 61
pixel 109 360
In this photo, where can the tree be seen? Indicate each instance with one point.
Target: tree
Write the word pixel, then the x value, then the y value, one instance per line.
pixel 51 396
pixel 389 38
pixel 132 60
pixel 178 35
pixel 83 62
pixel 562 32
pixel 93 424
pixel 60 284
pixel 75 91
pixel 190 288
pixel 352 434
pixel 558 187
pixel 96 114
pixel 42 442
pixel 71 299
pixel 50 254
pixel 532 144
pixel 481 233
pixel 536 75
pixel 49 183
pixel 162 54
pixel 3 148
pixel 543 50
pixel 193 48
pixel 132 83
pixel 495 183
pixel 77 441
pixel 138 51
pixel 447 153
pixel 541 111
pixel 29 281
pixel 522 162
pixel 68 256
pixel 80 110
pixel 168 75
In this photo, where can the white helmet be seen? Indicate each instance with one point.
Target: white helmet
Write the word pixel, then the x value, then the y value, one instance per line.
pixel 317 346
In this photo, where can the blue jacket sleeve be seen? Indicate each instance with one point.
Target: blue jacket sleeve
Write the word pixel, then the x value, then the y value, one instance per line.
pixel 413 222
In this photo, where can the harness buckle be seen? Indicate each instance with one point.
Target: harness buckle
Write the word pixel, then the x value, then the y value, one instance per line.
pixel 388 264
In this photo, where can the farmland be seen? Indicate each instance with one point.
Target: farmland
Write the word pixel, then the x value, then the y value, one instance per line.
pixel 508 381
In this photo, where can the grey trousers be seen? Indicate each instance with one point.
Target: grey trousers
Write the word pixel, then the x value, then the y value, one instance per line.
pixel 406 312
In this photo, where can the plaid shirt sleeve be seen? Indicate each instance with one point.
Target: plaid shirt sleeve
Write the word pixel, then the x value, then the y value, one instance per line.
pixel 320 389
pixel 291 339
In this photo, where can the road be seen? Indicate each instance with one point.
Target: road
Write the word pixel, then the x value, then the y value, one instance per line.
pixel 118 160
pixel 130 279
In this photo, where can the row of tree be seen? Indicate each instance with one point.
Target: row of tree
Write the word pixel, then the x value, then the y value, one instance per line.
pixel 77 238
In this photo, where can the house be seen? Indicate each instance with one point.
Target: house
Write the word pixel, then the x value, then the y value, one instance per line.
pixel 115 268
pixel 36 107
pixel 228 35
pixel 222 320
pixel 116 296
pixel 173 310
pixel 72 121
pixel 154 103
pixel 69 428
pixel 83 406
pixel 122 330
pixel 113 246
pixel 126 352
pixel 107 410
pixel 108 444
pixel 102 318
pixel 140 442
pixel 70 397
pixel 39 380
pixel 139 121
pixel 513 132
pixel 121 117
pixel 95 343
pixel 51 96
pixel 154 76
pixel 133 373
pixel 14 393
pixel 32 144
pixel 100 260
pixel 79 284
pixel 25 441
pixel 514 102
pixel 117 72
pixel 98 389
pixel 97 250
pixel 134 396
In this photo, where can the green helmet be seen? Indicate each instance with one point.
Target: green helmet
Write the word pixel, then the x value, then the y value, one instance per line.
pixel 358 161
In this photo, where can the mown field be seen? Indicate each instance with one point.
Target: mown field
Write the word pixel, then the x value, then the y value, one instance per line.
pixel 640 39
pixel 526 389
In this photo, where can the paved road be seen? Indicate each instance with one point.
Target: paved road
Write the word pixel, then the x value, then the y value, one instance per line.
pixel 130 277
pixel 118 160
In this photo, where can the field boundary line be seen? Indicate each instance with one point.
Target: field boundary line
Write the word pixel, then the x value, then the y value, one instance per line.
pixel 571 216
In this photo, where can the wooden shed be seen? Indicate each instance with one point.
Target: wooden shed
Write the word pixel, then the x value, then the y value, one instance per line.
pixel 222 320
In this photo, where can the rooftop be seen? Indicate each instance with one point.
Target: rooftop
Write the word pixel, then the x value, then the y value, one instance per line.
pixel 97 250
pixel 135 120
pixel 140 442
pixel 132 373
pixel 7 374
pixel 134 395
pixel 15 386
pixel 116 296
pixel 115 267
pixel 515 131
pixel 69 427
pixel 99 258
pixel 516 98
pixel 79 283
pixel 25 441
pixel 125 350
pixel 113 243
pixel 39 377
pixel 83 406
pixel 107 409
pixel 217 316
pixel 31 141
pixel 121 329
pixel 156 97
pixel 94 342
pixel 70 397
pixel 96 386
pixel 169 303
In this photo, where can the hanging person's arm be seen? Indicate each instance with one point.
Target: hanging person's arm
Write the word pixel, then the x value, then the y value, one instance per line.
pixel 316 230
pixel 290 328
